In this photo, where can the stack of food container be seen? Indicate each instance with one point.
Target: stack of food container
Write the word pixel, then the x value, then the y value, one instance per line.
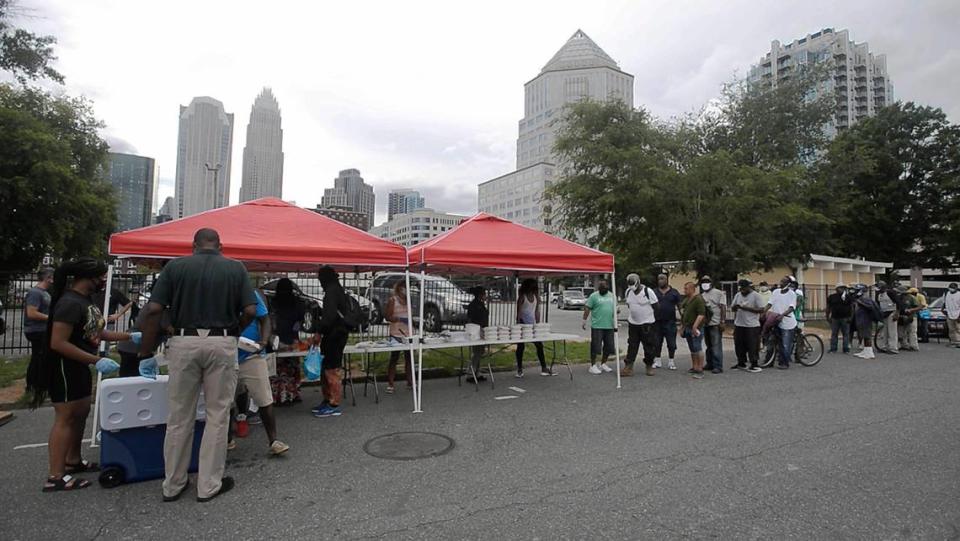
pixel 541 330
pixel 526 332
pixel 504 334
pixel 491 333
pixel 473 331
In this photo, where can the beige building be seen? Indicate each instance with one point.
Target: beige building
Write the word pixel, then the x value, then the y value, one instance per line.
pixel 416 226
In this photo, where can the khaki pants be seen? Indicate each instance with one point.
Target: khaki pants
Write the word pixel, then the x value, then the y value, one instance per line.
pixel 193 362
pixel 908 335
pixel 887 339
pixel 953 330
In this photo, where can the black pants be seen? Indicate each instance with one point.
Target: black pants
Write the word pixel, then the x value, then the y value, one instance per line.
pixel 642 334
pixel 129 365
pixel 331 345
pixel 540 356
pixel 746 342
pixel 38 342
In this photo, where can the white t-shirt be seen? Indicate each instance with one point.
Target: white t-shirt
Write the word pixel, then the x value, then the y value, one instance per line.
pixel 745 318
pixel 780 302
pixel 952 304
pixel 641 306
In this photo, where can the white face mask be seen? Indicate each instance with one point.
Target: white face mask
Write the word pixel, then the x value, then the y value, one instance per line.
pixel 764 289
pixel 705 287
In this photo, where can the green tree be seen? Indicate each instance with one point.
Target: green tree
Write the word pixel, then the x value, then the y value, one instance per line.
pixel 24 54
pixel 54 198
pixel 892 182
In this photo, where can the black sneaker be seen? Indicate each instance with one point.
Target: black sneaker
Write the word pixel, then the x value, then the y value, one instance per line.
pixel 226 484
pixel 738 367
pixel 783 366
pixel 717 371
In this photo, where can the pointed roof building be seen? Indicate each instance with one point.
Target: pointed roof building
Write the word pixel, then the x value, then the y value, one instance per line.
pixel 263 152
pixel 579 52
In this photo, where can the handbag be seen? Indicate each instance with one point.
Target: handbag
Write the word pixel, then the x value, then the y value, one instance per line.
pixel 313 364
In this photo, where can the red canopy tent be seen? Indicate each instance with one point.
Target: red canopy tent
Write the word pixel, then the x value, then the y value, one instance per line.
pixel 267 235
pixel 485 242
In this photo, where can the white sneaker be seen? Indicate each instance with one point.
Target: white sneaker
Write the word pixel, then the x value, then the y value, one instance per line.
pixel 594 369
pixel 656 362
pixel 605 368
pixel 672 366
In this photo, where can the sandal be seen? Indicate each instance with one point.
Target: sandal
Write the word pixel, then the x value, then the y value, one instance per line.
pixel 65 483
pixel 83 467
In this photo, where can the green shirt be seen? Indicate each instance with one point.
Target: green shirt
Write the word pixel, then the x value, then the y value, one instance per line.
pixel 691 309
pixel 601 309
pixel 204 291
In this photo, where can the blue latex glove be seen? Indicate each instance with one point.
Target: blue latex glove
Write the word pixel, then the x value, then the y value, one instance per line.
pixel 149 368
pixel 107 366
pixel 135 337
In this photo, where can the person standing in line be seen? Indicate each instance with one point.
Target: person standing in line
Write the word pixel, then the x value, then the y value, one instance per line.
pixel 528 313
pixel 478 314
pixel 866 312
pixel 923 335
pixel 75 329
pixel 641 303
pixel 713 336
pixel 839 313
pixel 747 306
pixel 887 340
pixel 36 308
pixel 694 315
pixel 951 308
pixel 601 308
pixel 333 335
pixel 668 300
pixel 210 299
pixel 764 291
pixel 398 314
pixel 783 303
pixel 909 308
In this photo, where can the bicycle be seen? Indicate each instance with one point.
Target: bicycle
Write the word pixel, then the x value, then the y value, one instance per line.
pixel 807 348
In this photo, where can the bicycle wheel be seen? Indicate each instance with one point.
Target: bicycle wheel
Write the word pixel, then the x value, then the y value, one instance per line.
pixel 809 349
pixel 768 350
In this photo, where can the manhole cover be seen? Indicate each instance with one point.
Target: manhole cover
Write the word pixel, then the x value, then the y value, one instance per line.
pixel 408 445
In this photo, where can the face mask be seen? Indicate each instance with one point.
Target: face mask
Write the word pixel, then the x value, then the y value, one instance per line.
pixel 632 284
pixel 100 285
pixel 603 290
pixel 953 290
pixel 764 289
pixel 705 287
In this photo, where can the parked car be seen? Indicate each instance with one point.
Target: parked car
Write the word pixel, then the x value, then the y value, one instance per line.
pixel 444 302
pixel 935 319
pixel 314 303
pixel 571 299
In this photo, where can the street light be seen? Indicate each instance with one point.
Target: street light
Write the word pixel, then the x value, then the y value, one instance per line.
pixel 216 174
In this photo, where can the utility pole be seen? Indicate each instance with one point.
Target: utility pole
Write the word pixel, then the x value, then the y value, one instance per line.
pixel 216 175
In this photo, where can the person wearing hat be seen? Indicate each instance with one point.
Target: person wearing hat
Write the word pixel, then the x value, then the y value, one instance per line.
pixel 907 323
pixel 951 307
pixel 747 306
pixel 781 312
pixel 641 303
pixel 716 301
pixel 839 312
pixel 923 334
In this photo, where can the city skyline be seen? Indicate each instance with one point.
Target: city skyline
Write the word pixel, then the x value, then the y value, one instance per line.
pixel 430 131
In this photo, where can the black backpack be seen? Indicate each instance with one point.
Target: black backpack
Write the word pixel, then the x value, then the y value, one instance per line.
pixel 353 317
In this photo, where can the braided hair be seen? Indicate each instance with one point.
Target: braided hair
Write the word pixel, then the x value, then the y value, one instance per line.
pixel 38 377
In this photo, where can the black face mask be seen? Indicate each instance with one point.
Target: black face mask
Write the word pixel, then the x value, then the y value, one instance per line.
pixel 100 285
pixel 602 290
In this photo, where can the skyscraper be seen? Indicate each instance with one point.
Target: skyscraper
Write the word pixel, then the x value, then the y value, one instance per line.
pixel 165 214
pixel 204 150
pixel 134 180
pixel 580 70
pixel 857 77
pixel 350 191
pixel 403 201
pixel 263 154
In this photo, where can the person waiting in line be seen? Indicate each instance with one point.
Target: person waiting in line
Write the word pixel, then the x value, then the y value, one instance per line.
pixel 888 340
pixel 866 313
pixel 528 313
pixel 716 300
pixel 75 329
pixel 641 303
pixel 747 306
pixel 398 314
pixel 288 312
pixel 36 309
pixel 332 334
pixel 601 309
pixel 478 314
pixel 951 309
pixel 909 314
pixel 839 313
pixel 923 334
pixel 668 299
pixel 781 311
pixel 693 318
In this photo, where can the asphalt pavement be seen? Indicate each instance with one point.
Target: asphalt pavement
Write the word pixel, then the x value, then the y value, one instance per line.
pixel 849 449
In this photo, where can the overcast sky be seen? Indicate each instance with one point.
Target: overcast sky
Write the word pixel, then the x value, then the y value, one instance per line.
pixel 427 95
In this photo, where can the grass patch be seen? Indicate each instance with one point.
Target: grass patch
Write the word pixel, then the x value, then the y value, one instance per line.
pixel 12 369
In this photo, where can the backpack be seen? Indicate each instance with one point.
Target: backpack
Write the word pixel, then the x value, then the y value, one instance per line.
pixel 353 317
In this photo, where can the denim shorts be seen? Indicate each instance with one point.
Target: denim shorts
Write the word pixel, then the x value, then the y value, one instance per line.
pixel 695 343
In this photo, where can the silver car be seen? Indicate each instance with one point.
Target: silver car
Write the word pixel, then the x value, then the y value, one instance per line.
pixel 571 299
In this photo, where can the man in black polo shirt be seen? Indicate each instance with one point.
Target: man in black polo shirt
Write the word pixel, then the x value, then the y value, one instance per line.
pixel 209 299
pixel 839 314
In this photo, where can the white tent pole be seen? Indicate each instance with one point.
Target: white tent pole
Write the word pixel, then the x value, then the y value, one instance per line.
pixel 104 352
pixel 616 328
pixel 406 277
pixel 419 375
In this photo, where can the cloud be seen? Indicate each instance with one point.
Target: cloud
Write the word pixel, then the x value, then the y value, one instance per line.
pixel 120 145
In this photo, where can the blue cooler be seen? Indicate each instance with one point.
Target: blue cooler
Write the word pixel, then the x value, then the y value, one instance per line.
pixel 133 416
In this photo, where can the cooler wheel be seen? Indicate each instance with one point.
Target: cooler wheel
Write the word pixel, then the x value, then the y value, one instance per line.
pixel 112 476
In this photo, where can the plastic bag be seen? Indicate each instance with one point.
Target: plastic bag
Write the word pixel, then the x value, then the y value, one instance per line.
pixel 313 364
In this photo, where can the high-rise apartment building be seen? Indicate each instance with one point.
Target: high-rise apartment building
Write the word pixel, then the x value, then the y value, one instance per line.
pixel 165 214
pixel 263 154
pixel 134 179
pixel 403 201
pixel 857 77
pixel 344 215
pixel 350 191
pixel 204 150
pixel 416 226
pixel 580 70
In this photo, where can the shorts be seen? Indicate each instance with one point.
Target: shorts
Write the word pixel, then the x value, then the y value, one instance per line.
pixel 601 341
pixel 69 380
pixel 695 343
pixel 255 376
